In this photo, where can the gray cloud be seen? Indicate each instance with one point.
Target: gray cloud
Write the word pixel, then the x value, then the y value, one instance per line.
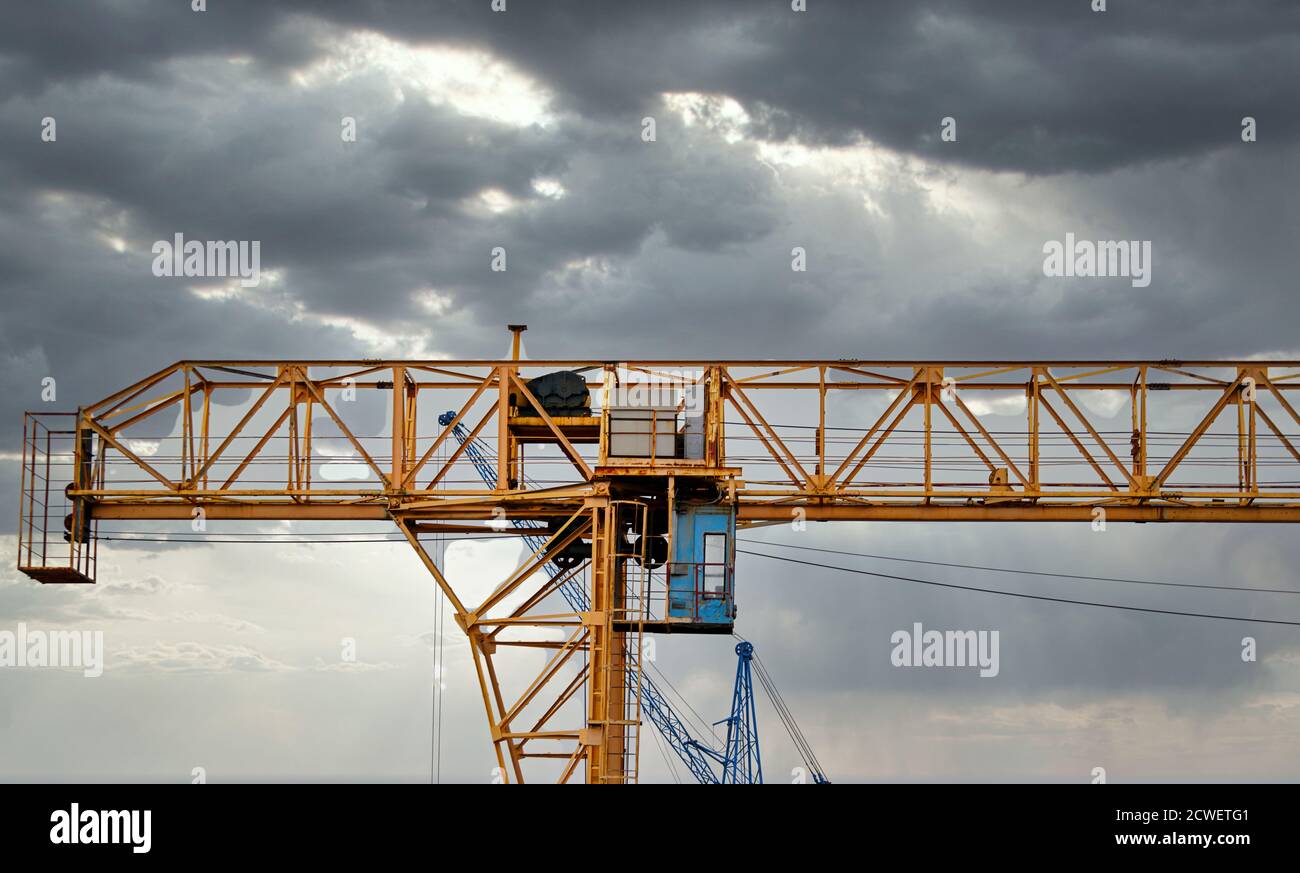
pixel 193 657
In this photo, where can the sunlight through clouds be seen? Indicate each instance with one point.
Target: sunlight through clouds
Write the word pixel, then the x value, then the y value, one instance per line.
pixel 469 80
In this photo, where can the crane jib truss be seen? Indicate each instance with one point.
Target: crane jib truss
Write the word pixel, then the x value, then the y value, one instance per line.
pixel 791 442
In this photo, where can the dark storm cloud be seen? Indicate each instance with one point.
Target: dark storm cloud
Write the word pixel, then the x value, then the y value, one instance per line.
pixel 1036 86
pixel 356 229
pixel 68 40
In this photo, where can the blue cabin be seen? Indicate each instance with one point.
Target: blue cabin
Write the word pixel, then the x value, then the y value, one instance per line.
pixel 701 574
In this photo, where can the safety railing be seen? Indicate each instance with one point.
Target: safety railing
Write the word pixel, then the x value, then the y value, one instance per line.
pixel 709 599
pixel 56 536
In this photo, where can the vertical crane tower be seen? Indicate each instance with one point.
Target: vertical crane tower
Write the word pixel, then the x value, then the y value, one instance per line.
pixel 634 500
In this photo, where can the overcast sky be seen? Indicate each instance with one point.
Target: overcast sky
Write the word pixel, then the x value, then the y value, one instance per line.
pixel 774 129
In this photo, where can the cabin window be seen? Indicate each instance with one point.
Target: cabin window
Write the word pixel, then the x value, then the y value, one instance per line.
pixel 715 565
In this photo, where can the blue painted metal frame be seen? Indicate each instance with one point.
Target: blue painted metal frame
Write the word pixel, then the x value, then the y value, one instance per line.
pixel 690 571
pixel 742 764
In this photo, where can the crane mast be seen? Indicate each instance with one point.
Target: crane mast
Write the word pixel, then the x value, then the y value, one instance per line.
pixel 628 481
pixel 654 705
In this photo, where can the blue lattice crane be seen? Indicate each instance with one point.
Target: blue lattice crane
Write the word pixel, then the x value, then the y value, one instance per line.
pixel 740 760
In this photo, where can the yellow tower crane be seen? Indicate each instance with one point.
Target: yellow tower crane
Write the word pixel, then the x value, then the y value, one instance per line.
pixel 638 474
